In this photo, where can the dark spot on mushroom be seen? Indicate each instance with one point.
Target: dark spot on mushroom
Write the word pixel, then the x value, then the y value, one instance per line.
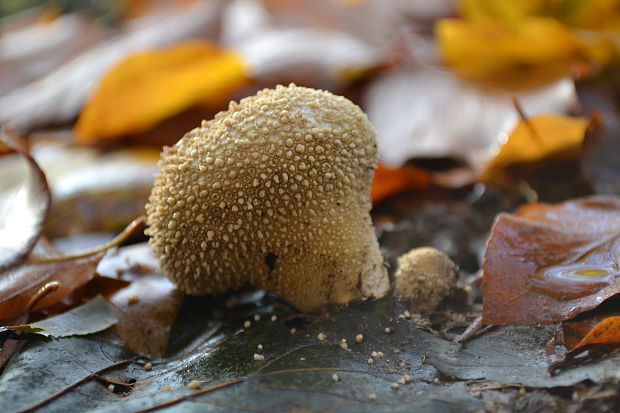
pixel 270 260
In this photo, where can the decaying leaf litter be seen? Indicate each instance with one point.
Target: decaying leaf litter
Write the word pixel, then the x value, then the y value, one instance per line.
pixel 494 149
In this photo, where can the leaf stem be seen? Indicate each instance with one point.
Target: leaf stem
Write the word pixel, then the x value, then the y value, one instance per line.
pixel 135 226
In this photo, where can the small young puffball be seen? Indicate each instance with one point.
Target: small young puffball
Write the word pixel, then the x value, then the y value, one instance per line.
pixel 272 193
pixel 425 276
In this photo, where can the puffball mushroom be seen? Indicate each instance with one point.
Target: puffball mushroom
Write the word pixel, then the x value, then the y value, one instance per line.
pixel 425 276
pixel 272 193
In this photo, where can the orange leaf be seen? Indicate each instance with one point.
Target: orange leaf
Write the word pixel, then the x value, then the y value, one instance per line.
pixel 607 331
pixel 390 181
pixel 534 140
pixel 148 87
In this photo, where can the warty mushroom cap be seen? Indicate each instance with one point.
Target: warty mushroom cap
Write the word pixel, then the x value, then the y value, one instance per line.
pixel 272 193
pixel 425 276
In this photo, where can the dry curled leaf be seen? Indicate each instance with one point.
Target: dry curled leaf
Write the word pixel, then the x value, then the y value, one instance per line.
pixel 543 137
pixel 150 86
pixel 549 263
pixel 19 285
pixel 147 307
pixel 23 208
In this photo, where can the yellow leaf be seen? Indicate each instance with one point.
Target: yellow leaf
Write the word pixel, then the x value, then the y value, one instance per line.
pixel 591 14
pixel 509 12
pixel 150 86
pixel 531 53
pixel 534 140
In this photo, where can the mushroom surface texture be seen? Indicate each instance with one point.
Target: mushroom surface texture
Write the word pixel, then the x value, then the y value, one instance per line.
pixel 425 276
pixel 272 193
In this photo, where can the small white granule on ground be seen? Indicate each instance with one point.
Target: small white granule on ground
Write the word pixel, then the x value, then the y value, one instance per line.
pixel 359 338
pixel 258 357
pixel 194 384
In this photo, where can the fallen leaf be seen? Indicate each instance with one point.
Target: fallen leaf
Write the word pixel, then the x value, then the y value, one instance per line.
pixel 23 210
pixel 599 326
pixel 19 285
pixel 89 318
pixel 148 306
pixel 92 190
pixel 59 96
pixel 536 51
pixel 389 181
pixel 422 112
pixel 142 90
pixel 34 44
pixel 326 54
pixel 297 370
pixel 545 136
pixel 549 263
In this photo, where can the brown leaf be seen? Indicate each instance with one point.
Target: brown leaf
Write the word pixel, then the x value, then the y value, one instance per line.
pixel 549 263
pixel 147 307
pixel 21 285
pixel 18 286
pixel 24 209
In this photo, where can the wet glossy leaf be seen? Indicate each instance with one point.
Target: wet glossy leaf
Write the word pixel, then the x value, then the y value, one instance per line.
pixel 23 208
pixel 549 263
pixel 153 85
pixel 533 141
pixel 89 318
pixel 212 347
